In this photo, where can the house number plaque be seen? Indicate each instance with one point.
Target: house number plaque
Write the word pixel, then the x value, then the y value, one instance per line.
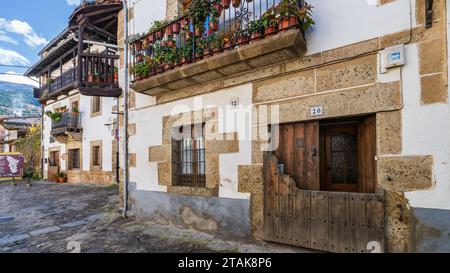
pixel 317 111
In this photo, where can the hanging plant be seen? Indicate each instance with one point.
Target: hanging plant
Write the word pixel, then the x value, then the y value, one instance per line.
pixel 198 12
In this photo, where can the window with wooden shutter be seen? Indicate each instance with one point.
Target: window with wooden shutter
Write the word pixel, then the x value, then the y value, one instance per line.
pixel 189 163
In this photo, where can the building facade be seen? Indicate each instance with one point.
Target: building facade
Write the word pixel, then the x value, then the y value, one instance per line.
pixel 79 89
pixel 13 129
pixel 331 138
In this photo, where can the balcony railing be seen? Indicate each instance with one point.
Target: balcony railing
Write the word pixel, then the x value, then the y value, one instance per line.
pixel 96 76
pixel 69 122
pixel 228 25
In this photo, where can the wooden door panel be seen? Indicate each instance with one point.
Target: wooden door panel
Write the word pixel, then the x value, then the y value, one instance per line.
pixel 319 221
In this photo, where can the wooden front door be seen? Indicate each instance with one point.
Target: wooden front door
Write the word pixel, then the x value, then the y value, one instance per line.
pixel 53 166
pixel 319 187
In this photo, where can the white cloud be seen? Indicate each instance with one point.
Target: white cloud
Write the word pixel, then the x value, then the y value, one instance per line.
pixel 11 57
pixel 73 2
pixel 7 39
pixel 13 77
pixel 24 29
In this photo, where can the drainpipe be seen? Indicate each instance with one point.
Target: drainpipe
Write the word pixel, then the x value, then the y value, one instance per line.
pixel 125 113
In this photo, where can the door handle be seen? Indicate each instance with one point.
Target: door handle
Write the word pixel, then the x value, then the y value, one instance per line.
pixel 314 152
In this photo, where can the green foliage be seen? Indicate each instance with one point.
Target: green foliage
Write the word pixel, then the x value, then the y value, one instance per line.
pixel 30 147
pixel 199 11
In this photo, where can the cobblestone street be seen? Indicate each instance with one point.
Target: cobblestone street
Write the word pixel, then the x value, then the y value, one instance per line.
pixel 49 218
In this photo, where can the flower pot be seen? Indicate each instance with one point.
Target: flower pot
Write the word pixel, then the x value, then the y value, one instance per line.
pixel 198 32
pixel 138 45
pixel 184 22
pixel 218 7
pixel 90 78
pixel 227 45
pixel 116 76
pixel 214 26
pixel 169 31
pixel 269 30
pixel 176 28
pixel 242 40
pixel 151 38
pixel 226 4
pixel 255 36
pixel 62 180
pixel 159 34
pixel 236 3
pixel 170 43
pixel 139 58
pixel 287 22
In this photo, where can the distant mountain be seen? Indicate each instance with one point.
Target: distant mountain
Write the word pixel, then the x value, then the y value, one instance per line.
pixel 17 100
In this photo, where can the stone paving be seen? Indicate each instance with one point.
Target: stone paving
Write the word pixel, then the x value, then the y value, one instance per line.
pixel 54 218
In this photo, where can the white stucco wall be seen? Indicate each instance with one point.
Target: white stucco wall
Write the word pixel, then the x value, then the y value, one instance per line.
pixel 94 129
pixel 149 127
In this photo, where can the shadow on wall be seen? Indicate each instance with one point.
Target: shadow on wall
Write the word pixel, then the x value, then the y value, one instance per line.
pixel 219 216
pixel 430 230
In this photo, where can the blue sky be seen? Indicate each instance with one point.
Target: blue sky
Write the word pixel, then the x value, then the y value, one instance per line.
pixel 26 26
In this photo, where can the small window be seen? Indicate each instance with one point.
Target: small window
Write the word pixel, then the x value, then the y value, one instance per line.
pixel 96 161
pixel 74 159
pixel 96 105
pixel 189 157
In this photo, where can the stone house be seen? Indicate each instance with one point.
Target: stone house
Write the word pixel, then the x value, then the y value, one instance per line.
pixel 333 138
pixel 13 129
pixel 79 90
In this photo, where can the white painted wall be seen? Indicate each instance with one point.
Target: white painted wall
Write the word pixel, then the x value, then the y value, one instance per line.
pixel 149 128
pixel 94 129
pixel 345 22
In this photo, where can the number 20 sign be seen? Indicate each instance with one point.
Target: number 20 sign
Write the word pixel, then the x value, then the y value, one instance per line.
pixel 317 111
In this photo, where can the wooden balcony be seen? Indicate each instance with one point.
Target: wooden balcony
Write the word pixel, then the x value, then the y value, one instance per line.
pixel 95 75
pixel 69 123
pixel 178 55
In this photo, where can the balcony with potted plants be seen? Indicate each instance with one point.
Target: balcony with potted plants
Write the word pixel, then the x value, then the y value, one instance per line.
pixel 216 39
pixel 65 123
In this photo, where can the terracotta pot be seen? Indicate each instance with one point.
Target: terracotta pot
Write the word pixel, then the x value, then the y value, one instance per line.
pixel 236 3
pixel 169 31
pixel 176 28
pixel 242 40
pixel 255 35
pixel 287 22
pixel 214 26
pixel 90 78
pixel 226 4
pixel 227 45
pixel 198 32
pixel 170 43
pixel 151 38
pixel 184 22
pixel 139 58
pixel 219 8
pixel 269 30
pixel 159 34
pixel 138 45
pixel 116 76
pixel 62 180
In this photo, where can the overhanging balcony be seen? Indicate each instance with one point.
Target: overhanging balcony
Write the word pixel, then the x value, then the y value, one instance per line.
pixel 235 39
pixel 69 123
pixel 94 75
